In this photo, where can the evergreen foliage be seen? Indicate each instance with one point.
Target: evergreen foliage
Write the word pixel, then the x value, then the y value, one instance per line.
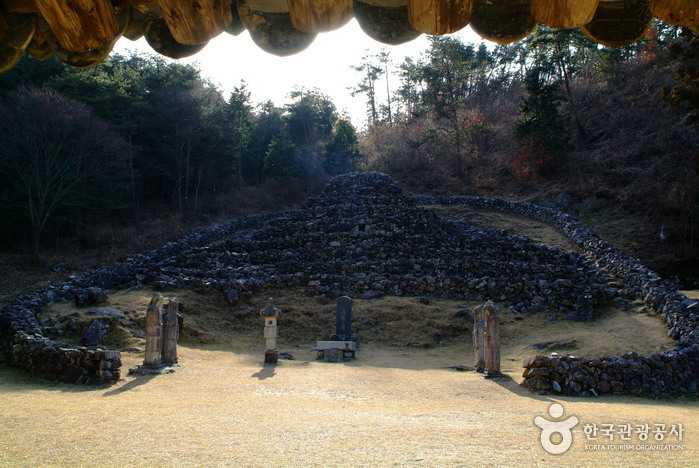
pixel 543 133
pixel 467 116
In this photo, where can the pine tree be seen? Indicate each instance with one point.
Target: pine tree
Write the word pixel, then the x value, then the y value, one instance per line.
pixel 542 131
pixel 342 151
pixel 279 159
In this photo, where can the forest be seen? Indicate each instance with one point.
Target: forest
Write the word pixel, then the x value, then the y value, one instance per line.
pixel 145 141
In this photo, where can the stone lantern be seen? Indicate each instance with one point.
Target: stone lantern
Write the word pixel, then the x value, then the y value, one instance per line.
pixel 270 314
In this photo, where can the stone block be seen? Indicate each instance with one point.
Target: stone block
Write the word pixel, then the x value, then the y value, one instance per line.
pixel 271 356
pixel 532 371
pixel 334 355
pixel 343 345
pixel 95 332
pixel 537 383
pixel 112 354
pixel 536 361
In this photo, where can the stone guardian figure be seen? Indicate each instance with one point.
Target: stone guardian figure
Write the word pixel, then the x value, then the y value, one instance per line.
pixel 492 341
pixel 154 332
pixel 478 331
pixel 171 333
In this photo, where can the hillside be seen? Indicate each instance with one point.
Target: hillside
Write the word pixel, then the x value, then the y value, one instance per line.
pixel 607 135
pixel 631 176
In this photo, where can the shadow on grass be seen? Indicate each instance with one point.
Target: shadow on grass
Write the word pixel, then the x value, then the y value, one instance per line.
pixel 136 382
pixel 267 372
pixel 508 383
pixel 13 379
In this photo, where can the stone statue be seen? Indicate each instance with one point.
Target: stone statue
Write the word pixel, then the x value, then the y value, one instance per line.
pixel 170 333
pixel 154 332
pixel 478 330
pixel 492 341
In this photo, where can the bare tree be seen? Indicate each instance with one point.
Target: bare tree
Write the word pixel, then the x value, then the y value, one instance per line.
pixel 370 74
pixel 54 156
pixel 184 136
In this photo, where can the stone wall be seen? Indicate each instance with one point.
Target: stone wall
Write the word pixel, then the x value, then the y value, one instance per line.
pixel 57 361
pixel 659 375
pixel 21 336
pixel 363 237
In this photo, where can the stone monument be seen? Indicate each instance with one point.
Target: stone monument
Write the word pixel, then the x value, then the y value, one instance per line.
pixel 492 341
pixel 343 319
pixel 343 343
pixel 478 331
pixel 171 332
pixel 153 362
pixel 154 332
pixel 270 314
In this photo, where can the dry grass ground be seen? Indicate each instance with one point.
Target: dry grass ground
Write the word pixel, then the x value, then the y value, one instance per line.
pixel 396 405
pixel 512 223
pixel 390 407
pixel 399 404
pixel 397 322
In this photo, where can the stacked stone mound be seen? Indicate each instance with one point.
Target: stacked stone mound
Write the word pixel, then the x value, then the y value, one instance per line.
pixel 679 313
pixel 363 237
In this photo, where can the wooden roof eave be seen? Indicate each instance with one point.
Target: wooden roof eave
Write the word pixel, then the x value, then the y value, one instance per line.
pixel 82 32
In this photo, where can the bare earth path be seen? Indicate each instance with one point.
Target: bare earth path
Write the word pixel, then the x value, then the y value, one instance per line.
pixel 388 408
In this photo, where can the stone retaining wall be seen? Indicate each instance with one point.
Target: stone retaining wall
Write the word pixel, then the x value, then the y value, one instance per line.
pixel 660 375
pixel 57 361
pixel 362 236
pixel 21 336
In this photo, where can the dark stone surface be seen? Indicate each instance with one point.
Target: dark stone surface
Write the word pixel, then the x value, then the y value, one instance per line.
pixel 232 296
pixel 94 333
pixel 343 316
pixel 106 312
pixel 89 296
pixel 271 357
pixel 333 355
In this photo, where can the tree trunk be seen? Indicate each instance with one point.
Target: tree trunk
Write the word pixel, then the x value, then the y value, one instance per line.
pixel 134 201
pixel 388 98
pixel 196 193
pixel 36 240
pixel 459 156
pixel 563 71
pixel 186 175
pixel 240 169
pixel 454 117
pixel 178 182
pixel 372 101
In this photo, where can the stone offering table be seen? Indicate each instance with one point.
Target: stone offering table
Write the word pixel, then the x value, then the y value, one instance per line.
pixel 336 351
pixel 343 343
